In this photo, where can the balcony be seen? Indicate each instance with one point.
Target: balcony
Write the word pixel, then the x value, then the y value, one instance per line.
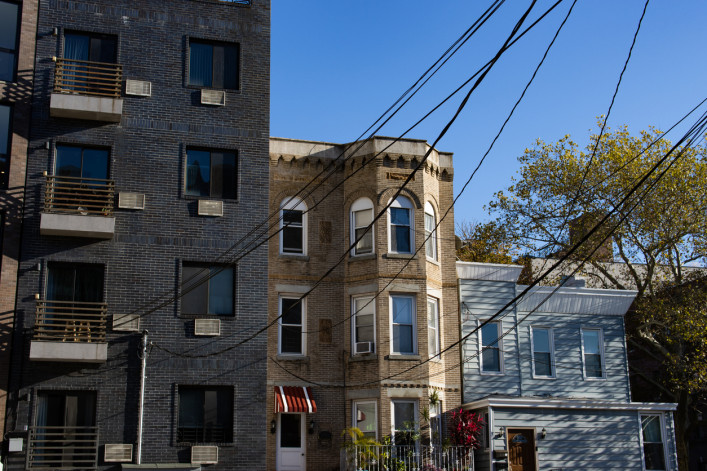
pixel 78 207
pixel 62 448
pixel 69 331
pixel 87 90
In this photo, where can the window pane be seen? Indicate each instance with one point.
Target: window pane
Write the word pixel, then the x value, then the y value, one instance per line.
pixel 195 290
pixel 68 161
pixel 365 418
pixel 593 365
pixel 76 46
pixel 489 335
pixel 198 172
pixel 400 216
pixel 230 66
pixel 402 339
pixel 541 340
pixel 7 66
pixel 402 310
pixel 542 364
pixel 200 64
pixel 291 311
pixel 591 341
pixel 190 408
pixel 223 175
pixel 221 291
pixel 363 218
pixel 8 25
pixel 364 328
pixel 490 360
pixel 401 239
pixel 653 442
pixel 404 413
pixel 95 164
pixel 365 243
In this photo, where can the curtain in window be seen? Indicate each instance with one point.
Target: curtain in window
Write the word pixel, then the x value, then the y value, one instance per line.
pixel 200 64
pixel 198 173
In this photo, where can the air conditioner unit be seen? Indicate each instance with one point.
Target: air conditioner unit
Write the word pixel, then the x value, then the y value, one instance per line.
pixel 126 322
pixel 118 453
pixel 207 327
pixel 204 454
pixel 210 208
pixel 131 200
pixel 138 88
pixel 213 97
pixel 363 347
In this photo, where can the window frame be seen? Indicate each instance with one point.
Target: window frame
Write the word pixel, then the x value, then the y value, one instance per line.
pixel 601 354
pixel 401 202
pixel 354 317
pixel 431 235
pixel 292 203
pixel 203 266
pixel 302 325
pixel 212 43
pixel 5 175
pixel 663 437
pixel 436 329
pixel 416 417
pixel 14 52
pixel 551 346
pixel 211 194
pixel 361 204
pixel 498 348
pixel 229 392
pixel 413 314
pixel 354 415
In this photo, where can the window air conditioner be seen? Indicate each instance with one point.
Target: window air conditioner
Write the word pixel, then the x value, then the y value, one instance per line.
pixel 131 200
pixel 213 97
pixel 138 88
pixel 204 454
pixel 363 347
pixel 118 453
pixel 210 208
pixel 207 327
pixel 126 322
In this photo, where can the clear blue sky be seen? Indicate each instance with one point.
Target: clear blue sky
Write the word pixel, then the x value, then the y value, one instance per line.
pixel 337 65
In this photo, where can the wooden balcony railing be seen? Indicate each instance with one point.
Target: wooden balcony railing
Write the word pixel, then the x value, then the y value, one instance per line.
pixel 70 321
pixel 62 448
pixel 88 78
pixel 85 196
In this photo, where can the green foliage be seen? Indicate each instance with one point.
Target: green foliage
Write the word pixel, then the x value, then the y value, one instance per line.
pixel 484 242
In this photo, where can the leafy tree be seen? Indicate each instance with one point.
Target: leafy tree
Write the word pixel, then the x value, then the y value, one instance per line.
pixel 465 428
pixel 655 243
pixel 484 242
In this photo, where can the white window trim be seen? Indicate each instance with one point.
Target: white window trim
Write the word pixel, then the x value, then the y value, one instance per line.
pixel 353 321
pixel 416 409
pixel 414 322
pixel 405 203
pixel 303 304
pixel 663 436
pixel 365 401
pixel 294 203
pixel 361 204
pixel 601 353
pixel 551 340
pixel 500 350
pixel 437 356
pixel 429 210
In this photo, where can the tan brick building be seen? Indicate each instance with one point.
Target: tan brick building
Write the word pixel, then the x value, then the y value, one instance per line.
pixel 382 307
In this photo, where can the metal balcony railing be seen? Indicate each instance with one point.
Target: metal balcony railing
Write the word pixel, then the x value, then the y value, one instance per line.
pixel 70 321
pixel 88 78
pixel 208 434
pixel 62 448
pixel 75 195
pixel 408 458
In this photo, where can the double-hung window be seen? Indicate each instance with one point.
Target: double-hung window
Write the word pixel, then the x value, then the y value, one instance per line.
pixel 593 353
pixel 433 347
pixel 400 226
pixel 543 355
pixel 293 226
pixel 211 173
pixel 430 232
pixel 291 323
pixel 491 354
pixel 214 64
pixel 365 418
pixel 364 331
pixel 205 414
pixel 5 127
pixel 9 19
pixel 403 314
pixel 652 439
pixel 436 423
pixel 405 422
pixel 361 219
pixel 207 289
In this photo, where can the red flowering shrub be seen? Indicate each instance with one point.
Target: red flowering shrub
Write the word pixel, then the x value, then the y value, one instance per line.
pixel 465 429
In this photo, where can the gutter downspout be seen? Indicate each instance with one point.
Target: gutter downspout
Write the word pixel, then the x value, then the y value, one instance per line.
pixel 142 354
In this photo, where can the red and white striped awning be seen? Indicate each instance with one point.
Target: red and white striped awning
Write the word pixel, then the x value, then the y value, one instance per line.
pixel 294 399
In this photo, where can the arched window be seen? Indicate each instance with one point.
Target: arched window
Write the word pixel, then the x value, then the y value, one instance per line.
pixel 293 225
pixel 400 226
pixel 430 232
pixel 361 219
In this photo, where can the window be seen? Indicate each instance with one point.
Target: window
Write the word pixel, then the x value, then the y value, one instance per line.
pixel 213 64
pixel 400 230
pixel 9 19
pixel 491 358
pixel 211 173
pixel 652 438
pixel 365 418
pixel 207 289
pixel 403 324
pixel 543 355
pixel 5 130
pixel 91 47
pixel 293 226
pixel 81 162
pixel 593 353
pixel 430 232
pixel 405 422
pixel 433 348
pixel 205 414
pixel 75 282
pixel 364 331
pixel 361 218
pixel 436 423
pixel 292 339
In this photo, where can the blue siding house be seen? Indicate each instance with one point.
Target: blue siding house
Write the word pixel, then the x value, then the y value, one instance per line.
pixel 550 375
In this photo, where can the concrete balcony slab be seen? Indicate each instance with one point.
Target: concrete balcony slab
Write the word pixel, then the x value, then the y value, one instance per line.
pixel 95 108
pixel 80 352
pixel 77 225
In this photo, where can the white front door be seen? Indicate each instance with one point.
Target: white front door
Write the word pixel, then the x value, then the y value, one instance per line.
pixel 290 442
